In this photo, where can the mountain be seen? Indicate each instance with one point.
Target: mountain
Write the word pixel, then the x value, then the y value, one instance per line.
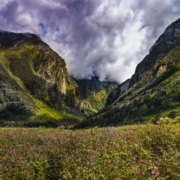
pixel 94 94
pixel 34 82
pixel 152 92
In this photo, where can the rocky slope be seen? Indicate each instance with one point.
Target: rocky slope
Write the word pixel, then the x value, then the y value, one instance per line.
pixel 34 82
pixel 152 92
pixel 154 64
pixel 94 94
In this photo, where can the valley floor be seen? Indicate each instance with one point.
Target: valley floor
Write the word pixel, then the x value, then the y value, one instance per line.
pixel 128 152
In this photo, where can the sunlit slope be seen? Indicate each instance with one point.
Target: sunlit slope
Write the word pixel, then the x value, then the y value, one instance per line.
pixel 94 94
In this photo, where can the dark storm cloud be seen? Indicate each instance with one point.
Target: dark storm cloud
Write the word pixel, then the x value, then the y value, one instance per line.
pixel 105 37
pixel 8 14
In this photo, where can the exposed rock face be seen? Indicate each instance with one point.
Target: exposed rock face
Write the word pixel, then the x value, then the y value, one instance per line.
pixel 94 93
pixel 40 71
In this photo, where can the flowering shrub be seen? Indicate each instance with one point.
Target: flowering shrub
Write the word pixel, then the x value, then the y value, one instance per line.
pixel 61 127
pixel 177 118
pixel 123 153
pixel 167 120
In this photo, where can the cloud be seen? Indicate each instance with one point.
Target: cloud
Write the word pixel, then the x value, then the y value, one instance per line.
pixel 105 37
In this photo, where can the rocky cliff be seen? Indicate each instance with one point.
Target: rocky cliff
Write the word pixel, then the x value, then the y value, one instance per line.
pixel 31 73
pixel 153 90
pixel 94 94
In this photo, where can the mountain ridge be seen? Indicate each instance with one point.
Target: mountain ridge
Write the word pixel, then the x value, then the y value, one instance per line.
pixel 151 91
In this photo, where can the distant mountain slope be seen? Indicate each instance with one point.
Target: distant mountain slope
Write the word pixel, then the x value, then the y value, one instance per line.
pixel 153 90
pixel 94 94
pixel 34 82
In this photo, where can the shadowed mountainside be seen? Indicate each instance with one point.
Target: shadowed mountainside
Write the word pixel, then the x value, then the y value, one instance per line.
pixel 34 82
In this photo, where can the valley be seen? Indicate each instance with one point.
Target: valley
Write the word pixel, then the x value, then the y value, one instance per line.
pixel 53 126
pixel 152 92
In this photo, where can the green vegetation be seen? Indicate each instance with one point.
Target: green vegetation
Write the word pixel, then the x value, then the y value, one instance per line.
pixel 155 94
pixel 95 102
pixel 94 94
pixel 128 152
pixel 138 111
pixel 44 113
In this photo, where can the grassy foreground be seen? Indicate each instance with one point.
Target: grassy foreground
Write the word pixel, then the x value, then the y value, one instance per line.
pixel 128 152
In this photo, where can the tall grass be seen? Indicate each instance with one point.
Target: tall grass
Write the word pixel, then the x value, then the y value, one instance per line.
pixel 128 152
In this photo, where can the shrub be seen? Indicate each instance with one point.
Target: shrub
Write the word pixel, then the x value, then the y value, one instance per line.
pixel 172 114
pixel 167 120
pixel 178 96
pixel 164 104
pixel 42 127
pixel 177 119
pixel 157 100
pixel 156 119
pixel 61 127
pixel 144 109
pixel 151 110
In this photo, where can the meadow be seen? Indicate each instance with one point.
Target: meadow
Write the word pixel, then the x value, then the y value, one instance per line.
pixel 148 151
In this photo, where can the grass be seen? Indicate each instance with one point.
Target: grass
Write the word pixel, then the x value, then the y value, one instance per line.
pixel 5 63
pixel 88 111
pixel 45 113
pixel 96 101
pixel 127 152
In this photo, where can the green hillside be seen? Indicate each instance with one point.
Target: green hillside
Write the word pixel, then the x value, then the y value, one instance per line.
pixel 152 92
pixel 94 94
pixel 34 83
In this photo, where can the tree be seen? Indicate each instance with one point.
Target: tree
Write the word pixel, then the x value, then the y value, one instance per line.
pixel 172 114
pixel 151 110
pixel 178 96
pixel 143 110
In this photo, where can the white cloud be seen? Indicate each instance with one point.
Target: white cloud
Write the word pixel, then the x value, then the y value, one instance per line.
pixel 108 37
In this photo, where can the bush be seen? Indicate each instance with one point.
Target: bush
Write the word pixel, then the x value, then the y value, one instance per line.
pixel 167 120
pixel 178 96
pixel 61 127
pixel 156 119
pixel 177 119
pixel 151 110
pixel 144 109
pixel 157 100
pixel 164 104
pixel 172 114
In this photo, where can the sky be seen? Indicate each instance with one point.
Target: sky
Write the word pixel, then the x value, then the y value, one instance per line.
pixel 106 38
